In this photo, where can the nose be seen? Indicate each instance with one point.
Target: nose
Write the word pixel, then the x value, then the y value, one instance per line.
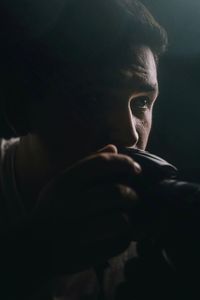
pixel 123 129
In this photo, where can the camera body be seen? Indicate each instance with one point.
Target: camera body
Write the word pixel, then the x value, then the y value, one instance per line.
pixel 157 178
pixel 160 188
pixel 153 166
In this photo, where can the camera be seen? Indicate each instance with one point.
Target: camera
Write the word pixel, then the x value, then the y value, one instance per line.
pixel 159 184
pixel 174 201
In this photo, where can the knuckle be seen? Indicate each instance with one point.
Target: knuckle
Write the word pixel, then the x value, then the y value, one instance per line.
pixel 131 162
pixel 117 159
pixel 104 157
pixel 124 191
pixel 128 159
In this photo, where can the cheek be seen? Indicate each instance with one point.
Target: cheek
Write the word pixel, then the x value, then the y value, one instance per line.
pixel 143 128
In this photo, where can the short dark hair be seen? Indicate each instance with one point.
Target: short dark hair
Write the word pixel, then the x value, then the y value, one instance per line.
pixel 87 33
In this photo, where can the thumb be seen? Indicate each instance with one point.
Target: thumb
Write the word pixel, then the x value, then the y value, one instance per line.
pixel 109 149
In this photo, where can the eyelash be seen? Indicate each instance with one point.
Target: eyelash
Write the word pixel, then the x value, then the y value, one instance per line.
pixel 136 105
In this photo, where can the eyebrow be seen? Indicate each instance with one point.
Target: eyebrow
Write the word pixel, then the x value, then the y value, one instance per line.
pixel 147 87
pixel 138 81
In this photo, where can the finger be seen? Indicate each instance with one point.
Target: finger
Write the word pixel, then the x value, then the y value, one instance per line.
pixel 106 198
pixel 109 149
pixel 103 167
pixel 96 201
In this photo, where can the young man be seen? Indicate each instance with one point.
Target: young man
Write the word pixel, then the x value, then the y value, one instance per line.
pixel 79 91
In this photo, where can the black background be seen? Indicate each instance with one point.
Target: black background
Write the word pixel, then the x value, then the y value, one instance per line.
pixel 176 125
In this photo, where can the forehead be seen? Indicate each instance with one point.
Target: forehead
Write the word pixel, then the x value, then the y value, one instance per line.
pixel 142 67
pixel 139 73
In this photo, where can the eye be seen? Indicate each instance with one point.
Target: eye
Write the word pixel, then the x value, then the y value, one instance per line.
pixel 140 103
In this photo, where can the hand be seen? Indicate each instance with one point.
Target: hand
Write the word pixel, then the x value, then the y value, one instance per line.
pixel 149 277
pixel 85 210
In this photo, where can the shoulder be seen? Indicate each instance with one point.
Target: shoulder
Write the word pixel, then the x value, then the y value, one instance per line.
pixel 6 145
pixel 11 208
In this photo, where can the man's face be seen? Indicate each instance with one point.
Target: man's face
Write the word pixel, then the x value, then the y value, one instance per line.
pixel 115 109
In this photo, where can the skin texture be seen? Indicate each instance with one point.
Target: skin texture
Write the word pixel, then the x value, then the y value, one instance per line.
pixel 68 163
pixel 116 114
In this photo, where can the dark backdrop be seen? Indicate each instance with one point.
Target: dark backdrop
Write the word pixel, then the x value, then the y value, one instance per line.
pixel 176 128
